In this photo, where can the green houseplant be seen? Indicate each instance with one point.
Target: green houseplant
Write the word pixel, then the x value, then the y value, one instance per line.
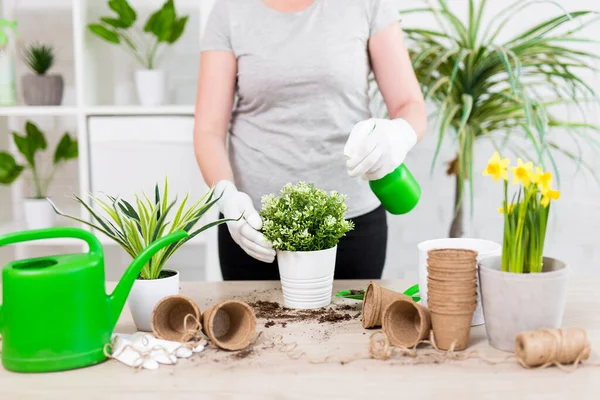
pixel 304 224
pixel 38 211
pixel 41 88
pixel 521 273
pixel 8 92
pixel 145 44
pixel 135 225
pixel 504 91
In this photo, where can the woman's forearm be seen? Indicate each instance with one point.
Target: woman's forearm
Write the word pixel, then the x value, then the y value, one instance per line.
pixel 415 114
pixel 212 157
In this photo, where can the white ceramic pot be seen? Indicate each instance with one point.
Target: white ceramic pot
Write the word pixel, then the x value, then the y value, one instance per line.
pixel 307 277
pixel 151 87
pixel 144 296
pixel 514 303
pixel 484 248
pixel 39 213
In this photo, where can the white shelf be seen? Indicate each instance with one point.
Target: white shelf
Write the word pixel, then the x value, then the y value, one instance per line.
pixel 106 241
pixel 28 111
pixel 140 110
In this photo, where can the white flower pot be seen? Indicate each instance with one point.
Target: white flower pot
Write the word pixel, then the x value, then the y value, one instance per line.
pixel 307 277
pixel 144 296
pixel 514 303
pixel 484 248
pixel 151 87
pixel 39 213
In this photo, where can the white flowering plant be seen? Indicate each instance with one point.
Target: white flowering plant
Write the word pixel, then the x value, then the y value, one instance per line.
pixel 304 218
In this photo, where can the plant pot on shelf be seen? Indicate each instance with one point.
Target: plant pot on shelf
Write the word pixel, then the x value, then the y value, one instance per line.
pixel 43 90
pixel 145 295
pixel 39 213
pixel 307 277
pixel 515 303
pixel 151 87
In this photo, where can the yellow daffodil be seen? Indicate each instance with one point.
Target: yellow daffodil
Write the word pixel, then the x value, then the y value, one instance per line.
pixel 497 167
pixel 522 172
pixel 510 208
pixel 542 179
pixel 548 195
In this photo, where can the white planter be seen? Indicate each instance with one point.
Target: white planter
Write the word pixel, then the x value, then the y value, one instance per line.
pixel 151 87
pixel 144 296
pixel 484 248
pixel 39 213
pixel 307 277
pixel 514 303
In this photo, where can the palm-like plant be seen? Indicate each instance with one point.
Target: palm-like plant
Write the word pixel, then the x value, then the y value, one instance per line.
pixel 502 91
pixel 135 228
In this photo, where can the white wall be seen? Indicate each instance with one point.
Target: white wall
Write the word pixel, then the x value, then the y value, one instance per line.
pixel 573 234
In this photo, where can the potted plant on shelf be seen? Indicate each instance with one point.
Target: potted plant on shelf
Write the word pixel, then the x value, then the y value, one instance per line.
pixel 145 44
pixel 304 224
pixel 522 290
pixel 41 88
pixel 38 210
pixel 506 91
pixel 8 92
pixel 135 228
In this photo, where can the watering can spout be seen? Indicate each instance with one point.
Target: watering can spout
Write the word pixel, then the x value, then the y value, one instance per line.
pixel 119 296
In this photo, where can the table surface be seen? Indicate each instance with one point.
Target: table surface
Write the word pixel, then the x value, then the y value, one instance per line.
pixel 269 373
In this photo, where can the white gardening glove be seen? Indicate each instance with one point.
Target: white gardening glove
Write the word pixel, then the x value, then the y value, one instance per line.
pixel 144 350
pixel 376 147
pixel 245 231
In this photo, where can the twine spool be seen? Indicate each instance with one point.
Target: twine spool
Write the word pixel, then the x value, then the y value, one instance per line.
pixel 547 347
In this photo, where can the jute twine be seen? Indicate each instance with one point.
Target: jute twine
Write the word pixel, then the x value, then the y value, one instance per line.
pixel 191 338
pixel 564 347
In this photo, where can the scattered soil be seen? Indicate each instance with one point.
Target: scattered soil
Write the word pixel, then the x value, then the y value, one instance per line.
pixel 272 311
pixel 354 292
pixel 269 324
pixel 240 355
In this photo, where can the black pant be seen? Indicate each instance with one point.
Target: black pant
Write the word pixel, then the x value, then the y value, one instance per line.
pixel 360 254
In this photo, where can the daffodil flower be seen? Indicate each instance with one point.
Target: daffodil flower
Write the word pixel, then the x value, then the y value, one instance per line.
pixel 548 195
pixel 542 179
pixel 510 208
pixel 522 172
pixel 497 167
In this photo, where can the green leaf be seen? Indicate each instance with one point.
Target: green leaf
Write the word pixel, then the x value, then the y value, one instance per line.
pixel 9 169
pixel 67 149
pixel 115 23
pixel 104 33
pixel 126 14
pixel 35 136
pixel 178 28
pixel 162 22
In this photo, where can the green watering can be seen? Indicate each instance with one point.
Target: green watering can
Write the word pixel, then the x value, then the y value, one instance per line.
pixel 55 313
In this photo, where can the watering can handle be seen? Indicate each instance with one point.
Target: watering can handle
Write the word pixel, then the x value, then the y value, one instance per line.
pixel 53 233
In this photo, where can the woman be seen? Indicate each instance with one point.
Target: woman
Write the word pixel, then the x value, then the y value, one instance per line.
pixel 300 71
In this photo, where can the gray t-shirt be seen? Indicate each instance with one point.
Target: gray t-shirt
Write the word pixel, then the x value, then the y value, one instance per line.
pixel 302 84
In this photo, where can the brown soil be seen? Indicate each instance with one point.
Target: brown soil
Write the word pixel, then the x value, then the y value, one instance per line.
pixel 240 355
pixel 355 291
pixel 272 311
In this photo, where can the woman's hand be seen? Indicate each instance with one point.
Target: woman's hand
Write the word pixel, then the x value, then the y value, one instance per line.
pixel 234 204
pixel 376 147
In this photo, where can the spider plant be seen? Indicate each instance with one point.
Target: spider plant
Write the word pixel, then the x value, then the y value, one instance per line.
pixel 504 91
pixel 39 57
pixel 135 228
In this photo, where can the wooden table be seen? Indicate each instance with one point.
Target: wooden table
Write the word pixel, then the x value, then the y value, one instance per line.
pixel 268 373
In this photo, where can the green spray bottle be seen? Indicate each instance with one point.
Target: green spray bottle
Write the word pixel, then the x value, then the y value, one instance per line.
pixel 399 192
